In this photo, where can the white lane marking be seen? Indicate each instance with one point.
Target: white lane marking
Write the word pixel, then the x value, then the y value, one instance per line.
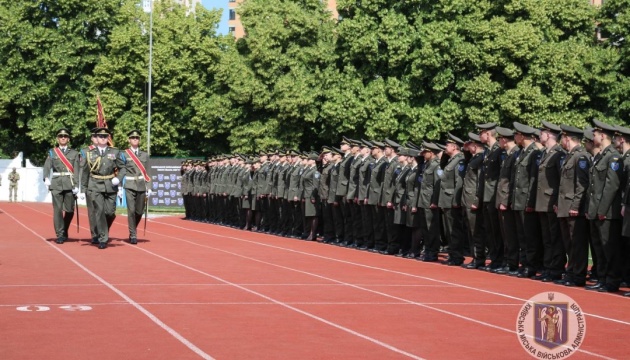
pixel 76 307
pixel 36 308
pixel 373 267
pixel 139 307
pixel 353 303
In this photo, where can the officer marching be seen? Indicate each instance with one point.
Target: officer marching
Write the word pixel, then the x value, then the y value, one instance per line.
pixel 61 178
pixel 100 168
pixel 135 183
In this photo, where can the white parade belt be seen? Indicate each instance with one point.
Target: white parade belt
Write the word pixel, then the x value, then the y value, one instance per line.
pixel 61 174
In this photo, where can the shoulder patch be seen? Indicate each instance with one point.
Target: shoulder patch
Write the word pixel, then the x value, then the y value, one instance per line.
pixel 583 164
pixel 440 172
pixel 614 165
pixel 317 175
pixel 461 167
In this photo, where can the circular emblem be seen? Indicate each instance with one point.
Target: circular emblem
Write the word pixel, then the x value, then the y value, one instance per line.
pixel 551 326
pixel 440 172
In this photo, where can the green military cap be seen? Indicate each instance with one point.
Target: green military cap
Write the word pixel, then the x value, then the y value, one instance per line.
pixel 272 152
pixel 429 146
pixel 623 131
pixel 588 134
pixel 454 139
pixel 486 126
pixel 354 142
pixel 505 132
pixel 313 156
pixel 93 130
pixel 474 137
pixel 523 129
pixel 262 153
pixel 392 144
pixel 569 130
pixel 325 150
pixel 402 151
pixel 377 144
pixel 63 132
pixel 133 133
pixel 603 127
pixel 552 128
pixel 441 146
pixel 102 131
pixel 336 151
pixel 345 140
pixel 366 143
pixel 294 153
pixel 411 145
pixel 413 152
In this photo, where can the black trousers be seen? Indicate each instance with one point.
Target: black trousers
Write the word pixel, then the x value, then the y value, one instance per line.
pixel 430 230
pixel 606 235
pixel 554 255
pixel 366 221
pixel 494 234
pixel 528 231
pixel 474 219
pixel 327 219
pixel 378 227
pixel 574 232
pixel 357 223
pixel 454 232
pixel 348 233
pixel 511 245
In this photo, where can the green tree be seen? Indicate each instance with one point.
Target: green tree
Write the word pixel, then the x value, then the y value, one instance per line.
pixel 185 53
pixel 47 51
pixel 271 83
pixel 615 30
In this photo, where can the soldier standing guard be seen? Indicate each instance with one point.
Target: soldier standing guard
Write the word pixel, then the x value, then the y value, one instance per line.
pixel 135 183
pixel 450 199
pixel 14 177
pixel 472 201
pixel 82 162
pixel 61 177
pixel 101 166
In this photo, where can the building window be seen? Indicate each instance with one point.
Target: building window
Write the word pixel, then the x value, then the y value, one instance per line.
pixel 231 29
pixel 232 14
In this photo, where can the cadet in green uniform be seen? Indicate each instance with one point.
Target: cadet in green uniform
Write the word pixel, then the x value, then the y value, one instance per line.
pixel 450 201
pixel 342 191
pixel 574 180
pixel 135 183
pixel 400 241
pixel 392 167
pixel 14 177
pixel 428 193
pixel 352 196
pixel 101 166
pixel 61 176
pixel 472 199
pixel 491 169
pixel 310 193
pixel 504 196
pixel 88 202
pixel 324 189
pixel 523 201
pixel 623 138
pixel 604 208
pixel 554 255
pixel 337 217
pixel 367 233
pixel 375 189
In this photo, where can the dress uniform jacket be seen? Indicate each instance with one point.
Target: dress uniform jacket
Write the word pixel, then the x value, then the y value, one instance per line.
pixel 333 180
pixel 474 184
pixel 399 199
pixel 605 185
pixel 324 182
pixel 491 171
pixel 364 177
pixel 100 170
pixel 344 175
pixel 246 183
pixel 451 182
pixel 60 177
pixel 549 179
pixel 574 182
pixel 281 173
pixel 429 192
pixel 353 179
pixel 389 181
pixel 626 194
pixel 310 184
pixel 134 180
pixel 524 178
pixel 377 177
pixel 413 182
pixel 504 184
pixel 294 182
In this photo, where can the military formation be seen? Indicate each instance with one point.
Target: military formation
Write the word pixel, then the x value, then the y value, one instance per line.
pixel 98 174
pixel 526 202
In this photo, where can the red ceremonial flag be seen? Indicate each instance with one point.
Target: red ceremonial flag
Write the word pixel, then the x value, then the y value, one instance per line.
pixel 100 118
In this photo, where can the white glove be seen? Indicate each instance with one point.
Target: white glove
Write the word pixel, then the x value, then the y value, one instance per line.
pixel 82 196
pixel 75 191
pixel 149 192
pixel 120 193
pixel 47 181
pixel 115 181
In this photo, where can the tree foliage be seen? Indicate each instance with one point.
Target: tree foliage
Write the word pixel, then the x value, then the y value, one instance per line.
pixel 408 70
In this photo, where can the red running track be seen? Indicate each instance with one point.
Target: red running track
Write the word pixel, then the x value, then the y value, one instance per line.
pixel 191 290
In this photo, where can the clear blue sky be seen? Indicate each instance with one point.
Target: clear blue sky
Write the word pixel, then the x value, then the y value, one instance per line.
pixel 219 4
